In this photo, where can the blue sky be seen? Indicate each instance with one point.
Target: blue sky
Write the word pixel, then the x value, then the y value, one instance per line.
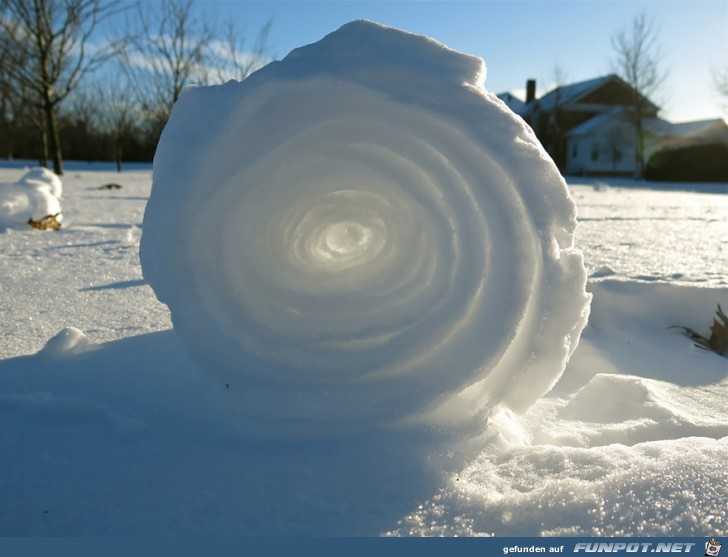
pixel 527 39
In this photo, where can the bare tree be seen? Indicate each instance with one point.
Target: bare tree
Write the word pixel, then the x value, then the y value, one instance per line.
pixel 9 94
pixel 617 134
pixel 638 63
pixel 18 102
pixel 233 59
pixel 720 83
pixel 117 113
pixel 173 44
pixel 49 53
pixel 556 124
pixel 168 52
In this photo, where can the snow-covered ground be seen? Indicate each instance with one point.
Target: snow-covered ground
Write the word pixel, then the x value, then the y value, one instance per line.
pixel 41 288
pixel 116 433
pixel 654 234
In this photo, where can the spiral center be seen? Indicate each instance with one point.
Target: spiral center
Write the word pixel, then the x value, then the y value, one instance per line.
pixel 346 240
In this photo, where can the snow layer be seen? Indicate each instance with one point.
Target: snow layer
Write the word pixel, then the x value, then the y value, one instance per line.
pixel 359 236
pixel 123 437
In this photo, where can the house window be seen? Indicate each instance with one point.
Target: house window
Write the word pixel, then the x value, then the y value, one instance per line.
pixel 574 151
pixel 595 151
pixel 617 153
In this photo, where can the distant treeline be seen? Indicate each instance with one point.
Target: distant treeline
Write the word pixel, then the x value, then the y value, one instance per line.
pixel 81 140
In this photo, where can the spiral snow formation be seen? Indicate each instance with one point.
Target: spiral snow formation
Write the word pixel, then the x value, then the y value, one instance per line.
pixel 360 236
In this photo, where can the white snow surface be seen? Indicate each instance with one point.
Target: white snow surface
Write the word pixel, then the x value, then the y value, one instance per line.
pixel 120 434
pixel 360 237
pixel 108 429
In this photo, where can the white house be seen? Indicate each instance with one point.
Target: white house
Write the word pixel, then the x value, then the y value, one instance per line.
pixel 605 144
pixel 586 128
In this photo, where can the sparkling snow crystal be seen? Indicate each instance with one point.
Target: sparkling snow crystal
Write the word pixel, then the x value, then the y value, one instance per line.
pixel 359 236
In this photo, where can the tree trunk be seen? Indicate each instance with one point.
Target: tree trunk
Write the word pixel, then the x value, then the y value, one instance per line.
pixel 118 154
pixel 640 150
pixel 55 144
pixel 636 117
pixel 43 159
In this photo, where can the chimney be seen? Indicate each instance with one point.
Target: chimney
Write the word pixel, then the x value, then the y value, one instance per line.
pixel 530 90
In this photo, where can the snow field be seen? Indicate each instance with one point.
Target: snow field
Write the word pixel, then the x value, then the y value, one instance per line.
pixel 89 269
pixel 654 234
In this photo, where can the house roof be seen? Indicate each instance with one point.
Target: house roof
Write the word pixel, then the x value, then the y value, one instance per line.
pixel 513 102
pixel 593 123
pixel 664 134
pixel 572 94
pixel 663 128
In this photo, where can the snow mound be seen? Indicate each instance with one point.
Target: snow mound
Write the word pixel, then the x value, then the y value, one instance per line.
pixel 601 272
pixel 68 341
pixel 359 236
pixel 628 410
pixel 45 176
pixel 22 201
pixel 611 398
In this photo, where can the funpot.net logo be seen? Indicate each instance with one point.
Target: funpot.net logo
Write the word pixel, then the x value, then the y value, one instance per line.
pixel 634 547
